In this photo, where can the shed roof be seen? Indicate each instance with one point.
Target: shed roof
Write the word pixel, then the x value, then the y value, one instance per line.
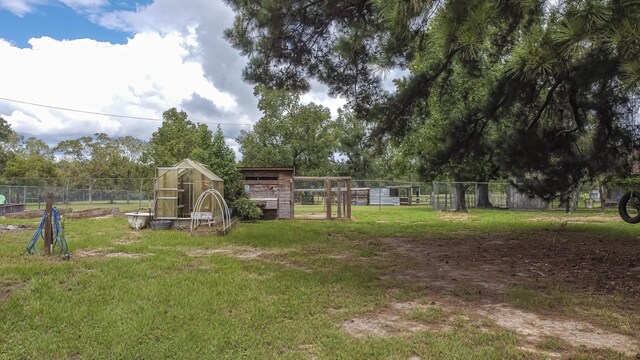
pixel 202 168
pixel 266 168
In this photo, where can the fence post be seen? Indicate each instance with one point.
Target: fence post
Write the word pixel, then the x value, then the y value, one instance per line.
pixel 47 225
pixel 435 195
pixel 327 199
pixel 24 195
pixel 379 194
pixel 339 197
pixel 349 199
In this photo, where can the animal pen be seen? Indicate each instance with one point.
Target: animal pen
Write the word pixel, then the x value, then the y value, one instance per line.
pixel 369 192
pixel 188 193
pixel 335 194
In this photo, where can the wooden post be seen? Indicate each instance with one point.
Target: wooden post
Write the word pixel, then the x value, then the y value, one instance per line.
pixel 47 225
pixel 339 198
pixel 348 199
pixel 327 198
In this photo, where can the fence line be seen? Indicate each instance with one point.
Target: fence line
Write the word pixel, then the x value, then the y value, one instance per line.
pixel 66 192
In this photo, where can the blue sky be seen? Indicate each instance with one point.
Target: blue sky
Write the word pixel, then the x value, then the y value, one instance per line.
pixel 59 21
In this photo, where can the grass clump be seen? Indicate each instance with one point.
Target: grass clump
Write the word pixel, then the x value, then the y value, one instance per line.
pixel 429 315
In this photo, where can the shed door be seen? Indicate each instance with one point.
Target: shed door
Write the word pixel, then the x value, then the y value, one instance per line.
pixel 167 194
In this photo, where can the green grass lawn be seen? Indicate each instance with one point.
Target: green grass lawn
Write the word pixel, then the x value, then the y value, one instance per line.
pixel 285 290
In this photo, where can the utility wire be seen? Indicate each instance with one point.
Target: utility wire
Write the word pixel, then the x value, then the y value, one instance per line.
pixel 106 114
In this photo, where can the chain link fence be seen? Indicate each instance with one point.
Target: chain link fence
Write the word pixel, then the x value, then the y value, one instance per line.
pixel 367 192
pixel 134 193
pixel 492 195
pixel 79 194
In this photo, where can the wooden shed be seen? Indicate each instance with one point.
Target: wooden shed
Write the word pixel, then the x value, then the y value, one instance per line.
pixel 177 189
pixel 271 189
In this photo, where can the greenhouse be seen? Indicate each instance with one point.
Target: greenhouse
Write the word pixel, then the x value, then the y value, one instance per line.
pixel 177 192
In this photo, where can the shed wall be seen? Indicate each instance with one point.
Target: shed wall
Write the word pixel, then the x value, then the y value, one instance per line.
pixel 272 190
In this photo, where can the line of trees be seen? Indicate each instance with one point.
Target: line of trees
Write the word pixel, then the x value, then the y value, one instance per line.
pixel 289 134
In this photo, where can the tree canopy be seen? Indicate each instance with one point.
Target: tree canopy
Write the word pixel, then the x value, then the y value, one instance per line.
pixel 221 159
pixel 178 138
pixel 557 81
pixel 289 134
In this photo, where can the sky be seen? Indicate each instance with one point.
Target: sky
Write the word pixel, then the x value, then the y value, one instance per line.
pixel 130 58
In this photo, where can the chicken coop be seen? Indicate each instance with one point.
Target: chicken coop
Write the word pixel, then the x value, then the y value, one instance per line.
pixel 271 189
pixel 178 192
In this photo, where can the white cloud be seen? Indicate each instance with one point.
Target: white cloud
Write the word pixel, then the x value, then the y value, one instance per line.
pixel 143 77
pixel 318 95
pixel 85 6
pixel 20 7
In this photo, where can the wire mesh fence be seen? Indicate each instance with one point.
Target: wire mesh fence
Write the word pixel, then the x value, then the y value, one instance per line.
pixel 133 193
pixel 476 194
pixel 366 192
pixel 79 193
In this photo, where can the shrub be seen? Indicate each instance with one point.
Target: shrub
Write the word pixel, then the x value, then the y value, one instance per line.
pixel 246 210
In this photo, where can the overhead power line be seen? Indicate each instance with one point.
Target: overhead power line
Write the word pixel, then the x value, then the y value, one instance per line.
pixel 107 114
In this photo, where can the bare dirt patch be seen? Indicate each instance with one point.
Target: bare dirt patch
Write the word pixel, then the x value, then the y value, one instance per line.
pixel 251 253
pixel 312 216
pixel 12 228
pixel 533 328
pixel 393 321
pixel 590 265
pixel 90 253
pixel 239 253
pixel 397 320
pixel 577 219
pixel 455 216
pixel 381 325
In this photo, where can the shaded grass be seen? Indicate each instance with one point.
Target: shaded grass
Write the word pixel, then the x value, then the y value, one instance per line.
pixel 171 305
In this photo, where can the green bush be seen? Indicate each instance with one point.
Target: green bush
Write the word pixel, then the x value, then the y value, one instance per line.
pixel 246 210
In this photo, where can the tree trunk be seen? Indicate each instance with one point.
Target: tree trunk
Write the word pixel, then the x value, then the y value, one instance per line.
pixel 461 205
pixel 570 201
pixel 564 204
pixel 574 198
pixel 483 196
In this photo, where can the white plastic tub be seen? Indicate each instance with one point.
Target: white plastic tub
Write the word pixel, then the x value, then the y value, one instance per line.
pixel 138 221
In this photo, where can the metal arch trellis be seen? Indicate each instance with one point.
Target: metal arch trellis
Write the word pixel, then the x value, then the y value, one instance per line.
pixel 226 214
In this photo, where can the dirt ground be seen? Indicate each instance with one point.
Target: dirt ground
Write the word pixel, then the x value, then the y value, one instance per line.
pixel 92 253
pixel 590 264
pixel 474 274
